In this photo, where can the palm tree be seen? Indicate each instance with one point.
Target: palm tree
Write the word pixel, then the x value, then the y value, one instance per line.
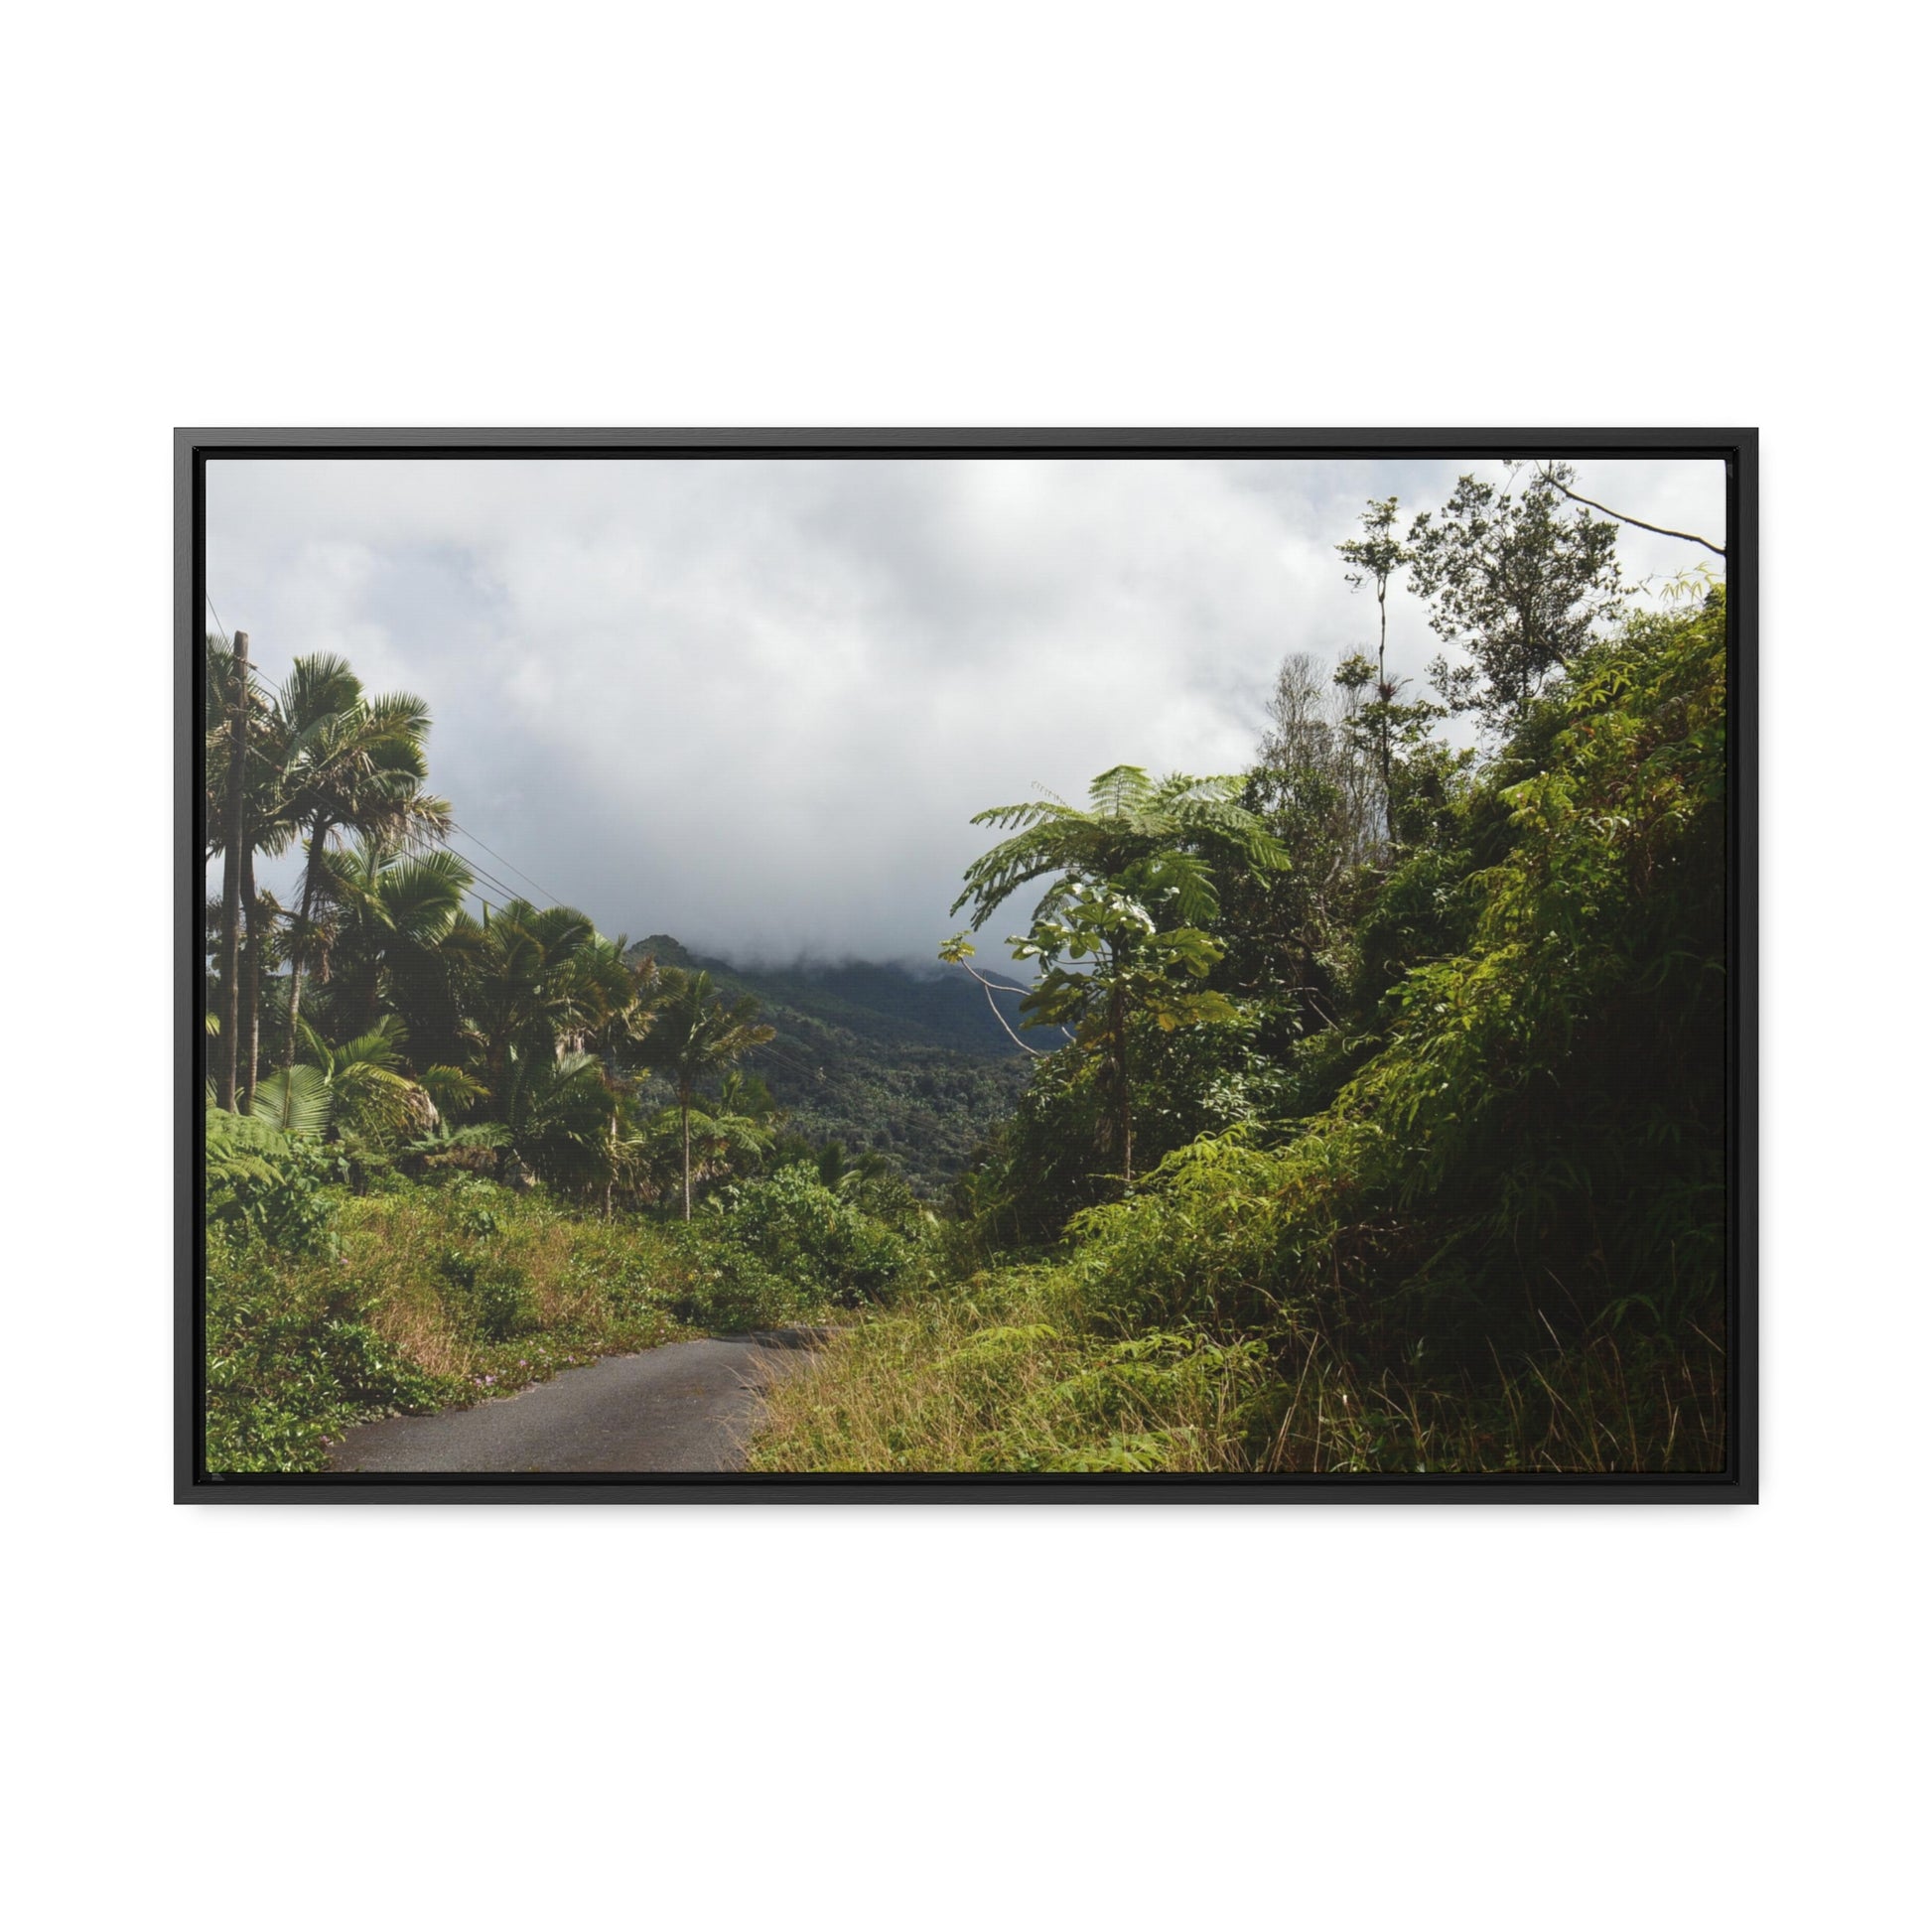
pixel 692 1034
pixel 747 1097
pixel 844 1173
pixel 350 763
pixel 603 1000
pixel 542 981
pixel 560 1109
pixel 359 1085
pixel 268 831
pixel 392 912
pixel 721 1139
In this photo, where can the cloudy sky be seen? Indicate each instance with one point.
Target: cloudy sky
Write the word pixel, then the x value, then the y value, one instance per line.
pixel 753 704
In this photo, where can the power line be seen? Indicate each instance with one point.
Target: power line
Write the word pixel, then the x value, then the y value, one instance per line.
pixel 481 872
pixel 792 1061
pixel 556 898
pixel 509 890
pixel 477 872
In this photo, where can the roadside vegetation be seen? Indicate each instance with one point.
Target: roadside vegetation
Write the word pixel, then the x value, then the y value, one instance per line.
pixel 454 1142
pixel 1374 1114
pixel 1391 1135
pixel 326 1306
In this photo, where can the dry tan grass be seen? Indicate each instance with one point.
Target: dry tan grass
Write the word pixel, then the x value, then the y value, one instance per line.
pixel 390 1243
pixel 997 1376
pixel 397 1246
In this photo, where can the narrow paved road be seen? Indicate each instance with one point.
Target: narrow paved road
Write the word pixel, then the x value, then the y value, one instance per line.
pixel 690 1405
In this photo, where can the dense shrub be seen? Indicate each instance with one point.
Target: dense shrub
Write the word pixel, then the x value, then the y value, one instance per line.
pixel 1044 1166
pixel 1498 1245
pixel 414 1297
pixel 292 1357
pixel 726 1288
pixel 269 1185
pixel 803 1232
pixel 1539 1144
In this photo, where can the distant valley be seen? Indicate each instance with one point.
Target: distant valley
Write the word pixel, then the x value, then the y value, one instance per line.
pixel 878 1055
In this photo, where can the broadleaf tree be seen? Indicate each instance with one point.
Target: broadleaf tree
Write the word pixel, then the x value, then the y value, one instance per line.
pixel 1517 578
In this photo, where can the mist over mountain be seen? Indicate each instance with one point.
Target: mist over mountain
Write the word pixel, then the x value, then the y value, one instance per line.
pixel 887 1056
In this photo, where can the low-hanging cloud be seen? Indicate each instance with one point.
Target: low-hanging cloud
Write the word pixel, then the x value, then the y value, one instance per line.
pixel 756 702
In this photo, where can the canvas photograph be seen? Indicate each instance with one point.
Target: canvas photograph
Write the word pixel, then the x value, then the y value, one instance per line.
pixel 1062 967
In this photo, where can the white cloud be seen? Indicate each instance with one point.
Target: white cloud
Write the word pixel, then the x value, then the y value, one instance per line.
pixel 754 703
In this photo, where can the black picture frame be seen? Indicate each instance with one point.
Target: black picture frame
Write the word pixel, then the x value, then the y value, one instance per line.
pixel 1737 449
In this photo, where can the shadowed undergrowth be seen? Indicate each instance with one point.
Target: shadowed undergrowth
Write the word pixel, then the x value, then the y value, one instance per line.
pixel 1498 1246
pixel 1006 1375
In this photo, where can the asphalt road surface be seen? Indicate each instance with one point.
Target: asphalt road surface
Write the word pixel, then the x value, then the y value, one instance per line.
pixel 690 1405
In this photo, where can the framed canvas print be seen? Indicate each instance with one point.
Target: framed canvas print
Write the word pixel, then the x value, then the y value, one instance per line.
pixel 996 965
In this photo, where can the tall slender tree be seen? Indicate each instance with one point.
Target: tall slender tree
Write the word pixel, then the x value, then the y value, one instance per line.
pixel 237 844
pixel 257 917
pixel 350 763
pixel 695 1034
pixel 239 806
pixel 1375 557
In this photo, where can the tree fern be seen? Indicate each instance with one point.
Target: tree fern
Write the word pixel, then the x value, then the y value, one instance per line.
pixel 1183 825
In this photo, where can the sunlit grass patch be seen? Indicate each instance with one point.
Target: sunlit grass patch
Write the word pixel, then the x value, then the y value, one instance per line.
pixel 999 1377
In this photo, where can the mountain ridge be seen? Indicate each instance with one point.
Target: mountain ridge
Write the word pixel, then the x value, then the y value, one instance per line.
pixel 874 1053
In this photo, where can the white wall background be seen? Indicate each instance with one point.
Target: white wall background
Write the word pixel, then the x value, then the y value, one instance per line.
pixel 1003 213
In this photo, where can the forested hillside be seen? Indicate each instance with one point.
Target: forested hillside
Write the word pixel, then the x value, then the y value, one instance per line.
pixel 1393 1136
pixel 876 1057
pixel 457 1142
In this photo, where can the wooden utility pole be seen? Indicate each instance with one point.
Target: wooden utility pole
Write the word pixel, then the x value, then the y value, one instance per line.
pixel 236 834
pixel 253 928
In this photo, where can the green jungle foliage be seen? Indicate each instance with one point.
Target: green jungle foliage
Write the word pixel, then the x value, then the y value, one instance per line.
pixel 450 1152
pixel 1450 1196
pixel 1363 1111
pixel 326 1307
pixel 912 1066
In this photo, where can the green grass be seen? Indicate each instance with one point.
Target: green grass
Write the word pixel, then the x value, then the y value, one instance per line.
pixel 326 1309
pixel 1016 1370
pixel 1499 1246
pixel 417 1299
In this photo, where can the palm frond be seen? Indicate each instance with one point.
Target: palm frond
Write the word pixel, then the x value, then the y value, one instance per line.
pixel 297 1102
pixel 453 1091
